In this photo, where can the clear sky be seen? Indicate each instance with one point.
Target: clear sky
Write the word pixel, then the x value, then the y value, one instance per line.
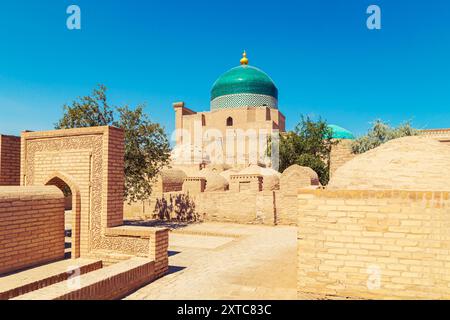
pixel 320 54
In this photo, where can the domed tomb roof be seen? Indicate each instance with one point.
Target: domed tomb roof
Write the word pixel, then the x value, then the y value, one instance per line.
pixel 408 163
pixel 244 86
pixel 170 180
pixel 214 181
pixel 296 177
pixel 341 133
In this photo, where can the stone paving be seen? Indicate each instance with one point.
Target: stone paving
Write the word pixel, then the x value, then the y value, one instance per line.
pixel 228 261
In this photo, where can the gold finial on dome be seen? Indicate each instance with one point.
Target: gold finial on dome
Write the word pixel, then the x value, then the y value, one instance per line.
pixel 244 60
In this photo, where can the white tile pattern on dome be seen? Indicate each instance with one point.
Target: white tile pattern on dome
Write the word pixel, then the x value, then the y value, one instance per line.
pixel 244 100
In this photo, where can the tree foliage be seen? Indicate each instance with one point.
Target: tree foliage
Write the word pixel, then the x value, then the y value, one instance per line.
pixel 309 145
pixel 147 148
pixel 88 111
pixel 380 133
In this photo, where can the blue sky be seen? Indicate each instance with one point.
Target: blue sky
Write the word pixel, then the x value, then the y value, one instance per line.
pixel 320 54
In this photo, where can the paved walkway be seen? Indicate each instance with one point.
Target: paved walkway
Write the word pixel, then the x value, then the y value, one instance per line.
pixel 228 261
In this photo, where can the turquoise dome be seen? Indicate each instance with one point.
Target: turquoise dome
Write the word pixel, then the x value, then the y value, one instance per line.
pixel 341 133
pixel 244 79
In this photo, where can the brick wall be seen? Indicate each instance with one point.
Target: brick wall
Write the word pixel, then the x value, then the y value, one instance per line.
pixel 240 207
pixel 286 204
pixel 31 226
pixel 262 205
pixel 159 246
pixel 9 160
pixel 374 244
pixel 265 207
pixel 224 206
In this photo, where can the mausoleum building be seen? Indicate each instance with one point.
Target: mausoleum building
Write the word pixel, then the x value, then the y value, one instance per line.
pixel 243 107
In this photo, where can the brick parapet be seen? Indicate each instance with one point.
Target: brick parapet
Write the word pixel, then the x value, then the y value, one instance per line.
pixel 31 226
pixel 369 244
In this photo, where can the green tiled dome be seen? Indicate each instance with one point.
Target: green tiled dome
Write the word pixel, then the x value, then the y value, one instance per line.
pixel 244 79
pixel 341 133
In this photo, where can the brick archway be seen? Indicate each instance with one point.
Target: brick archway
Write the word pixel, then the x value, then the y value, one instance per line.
pixel 90 161
pixel 55 179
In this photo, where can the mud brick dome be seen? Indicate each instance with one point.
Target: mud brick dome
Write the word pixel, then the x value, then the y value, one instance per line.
pixel 214 181
pixel 410 163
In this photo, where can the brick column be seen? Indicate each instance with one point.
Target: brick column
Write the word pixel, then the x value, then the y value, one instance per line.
pixel 9 160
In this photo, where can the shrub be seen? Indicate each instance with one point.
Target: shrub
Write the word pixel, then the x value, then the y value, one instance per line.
pixel 381 133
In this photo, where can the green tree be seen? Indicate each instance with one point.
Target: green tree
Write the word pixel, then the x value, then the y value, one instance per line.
pixel 147 148
pixel 309 145
pixel 381 132
pixel 88 111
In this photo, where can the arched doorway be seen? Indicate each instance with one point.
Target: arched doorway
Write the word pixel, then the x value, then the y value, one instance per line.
pixel 71 215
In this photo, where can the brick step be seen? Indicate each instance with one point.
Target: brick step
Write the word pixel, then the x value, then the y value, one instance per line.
pixel 108 257
pixel 113 282
pixel 33 279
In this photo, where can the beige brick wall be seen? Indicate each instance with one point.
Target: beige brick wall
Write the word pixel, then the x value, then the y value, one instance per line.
pixel 9 160
pixel 286 204
pixel 266 207
pixel 31 226
pixel 241 207
pixel 346 238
